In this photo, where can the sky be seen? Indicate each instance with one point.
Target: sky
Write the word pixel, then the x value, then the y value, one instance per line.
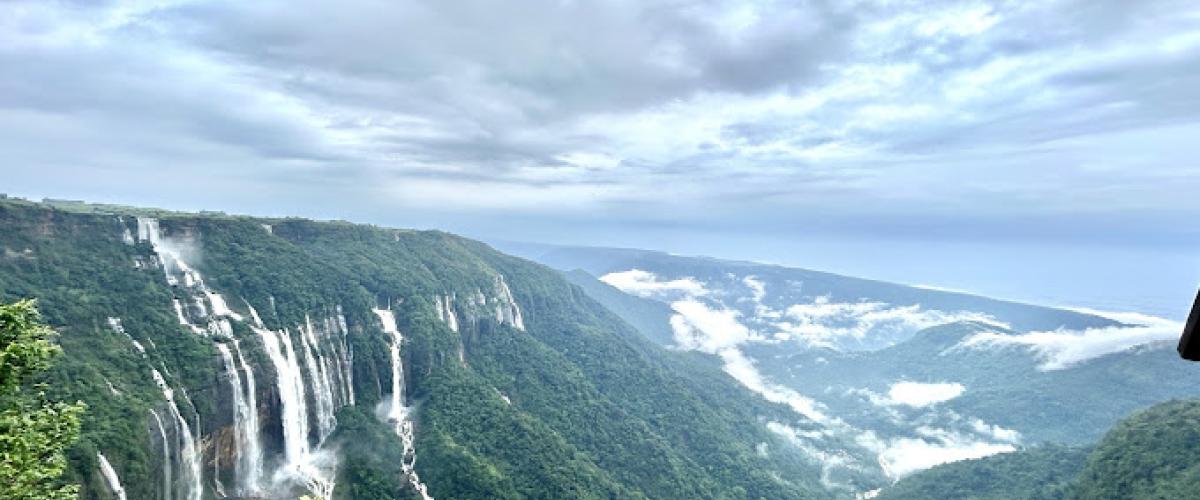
pixel 1045 150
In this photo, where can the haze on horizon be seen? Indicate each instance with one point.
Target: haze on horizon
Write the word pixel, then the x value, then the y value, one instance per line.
pixel 1037 150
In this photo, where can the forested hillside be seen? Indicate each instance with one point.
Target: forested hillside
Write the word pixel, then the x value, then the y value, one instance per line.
pixel 225 355
pixel 1153 454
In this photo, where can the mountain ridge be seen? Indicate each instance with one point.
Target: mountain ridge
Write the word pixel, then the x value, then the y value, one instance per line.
pixel 468 369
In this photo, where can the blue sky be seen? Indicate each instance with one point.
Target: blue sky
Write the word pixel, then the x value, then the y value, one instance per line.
pixel 1038 150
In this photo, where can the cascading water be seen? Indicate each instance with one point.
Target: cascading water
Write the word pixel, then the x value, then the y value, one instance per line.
pixel 318 372
pixel 299 459
pixel 110 477
pixel 342 360
pixel 506 306
pixel 500 306
pixel 254 460
pixel 206 303
pixel 397 412
pixel 167 490
pixel 245 423
pixel 445 311
pixel 188 455
pixel 326 358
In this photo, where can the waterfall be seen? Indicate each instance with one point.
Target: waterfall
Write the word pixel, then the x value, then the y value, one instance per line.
pixel 318 373
pixel 116 326
pixel 183 319
pixel 506 306
pixel 110 477
pixel 254 452
pixel 219 307
pixel 245 422
pixel 188 455
pixel 166 462
pixel 500 306
pixel 343 359
pixel 291 394
pixel 126 236
pixel 445 311
pixel 398 411
pixel 169 254
pixel 299 459
pixel 208 304
pixel 328 372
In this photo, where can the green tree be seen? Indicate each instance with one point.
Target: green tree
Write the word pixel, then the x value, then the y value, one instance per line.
pixel 34 432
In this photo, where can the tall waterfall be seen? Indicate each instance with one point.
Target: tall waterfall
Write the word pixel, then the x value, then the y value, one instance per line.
pixel 167 490
pixel 110 477
pixel 398 411
pixel 245 421
pixel 343 358
pixel 300 462
pixel 188 454
pixel 326 376
pixel 318 371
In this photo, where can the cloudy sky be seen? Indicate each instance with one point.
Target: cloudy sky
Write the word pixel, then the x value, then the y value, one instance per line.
pixel 1039 150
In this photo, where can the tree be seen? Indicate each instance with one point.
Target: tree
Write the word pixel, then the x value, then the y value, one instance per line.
pixel 34 432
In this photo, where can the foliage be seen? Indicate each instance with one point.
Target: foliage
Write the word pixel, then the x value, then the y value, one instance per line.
pixel 1153 454
pixel 596 410
pixel 34 432
pixel 1040 473
pixel 371 457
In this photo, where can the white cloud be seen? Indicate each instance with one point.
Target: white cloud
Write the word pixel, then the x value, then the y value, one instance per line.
pixel 902 456
pixel 717 331
pixel 756 286
pixel 1062 349
pixel 700 327
pixel 912 394
pixel 917 394
pixel 907 455
pixel 847 324
pixel 828 460
pixel 995 431
pixel 742 369
pixel 646 284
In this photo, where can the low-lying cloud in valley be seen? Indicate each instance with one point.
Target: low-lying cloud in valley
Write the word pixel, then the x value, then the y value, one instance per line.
pixel 865 323
pixel 902 456
pixel 1061 349
pixel 917 394
pixel 647 284
pixel 705 320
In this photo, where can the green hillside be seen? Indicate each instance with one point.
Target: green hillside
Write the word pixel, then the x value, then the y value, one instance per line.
pixel 576 405
pixel 1153 454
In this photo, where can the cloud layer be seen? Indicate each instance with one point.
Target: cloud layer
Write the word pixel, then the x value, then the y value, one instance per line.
pixel 822 116
pixel 917 394
pixel 866 323
pixel 646 284
pixel 706 323
pixel 1061 349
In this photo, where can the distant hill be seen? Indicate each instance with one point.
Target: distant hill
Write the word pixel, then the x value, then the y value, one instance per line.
pixel 1039 473
pixel 228 356
pixel 1153 454
pixel 910 376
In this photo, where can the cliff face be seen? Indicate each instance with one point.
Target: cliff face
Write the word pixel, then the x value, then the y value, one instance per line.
pixel 241 357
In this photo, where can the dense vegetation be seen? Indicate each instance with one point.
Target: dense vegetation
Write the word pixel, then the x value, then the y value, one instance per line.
pixel 578 405
pixel 1039 473
pixel 34 432
pixel 1153 454
pixel 1004 386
